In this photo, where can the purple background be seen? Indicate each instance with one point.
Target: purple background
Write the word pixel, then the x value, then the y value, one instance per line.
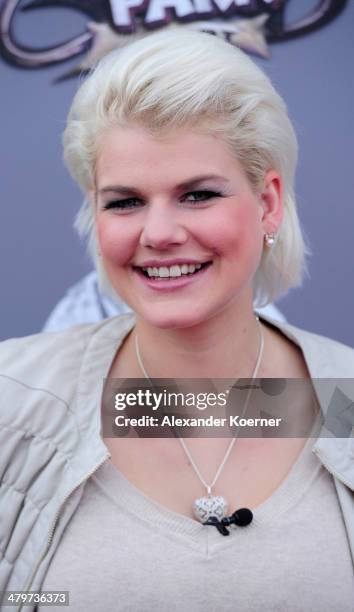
pixel 40 253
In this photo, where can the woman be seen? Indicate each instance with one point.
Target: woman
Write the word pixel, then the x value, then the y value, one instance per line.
pixel 187 158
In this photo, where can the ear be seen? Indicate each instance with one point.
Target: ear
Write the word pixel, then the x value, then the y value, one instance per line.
pixel 272 202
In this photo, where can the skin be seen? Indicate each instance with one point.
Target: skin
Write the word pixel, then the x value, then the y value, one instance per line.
pixel 205 329
pixel 190 324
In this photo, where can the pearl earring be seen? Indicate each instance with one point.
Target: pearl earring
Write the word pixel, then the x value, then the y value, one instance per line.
pixel 269 239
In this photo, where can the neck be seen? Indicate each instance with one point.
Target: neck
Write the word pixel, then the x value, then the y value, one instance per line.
pixel 225 346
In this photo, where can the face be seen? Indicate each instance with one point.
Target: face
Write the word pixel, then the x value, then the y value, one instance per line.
pixel 180 229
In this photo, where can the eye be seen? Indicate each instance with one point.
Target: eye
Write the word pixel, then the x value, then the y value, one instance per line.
pixel 125 204
pixel 202 195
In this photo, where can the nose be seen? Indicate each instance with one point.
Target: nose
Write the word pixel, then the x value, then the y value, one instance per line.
pixel 162 228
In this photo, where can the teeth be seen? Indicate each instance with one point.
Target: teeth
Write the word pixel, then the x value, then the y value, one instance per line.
pixel 163 272
pixel 173 271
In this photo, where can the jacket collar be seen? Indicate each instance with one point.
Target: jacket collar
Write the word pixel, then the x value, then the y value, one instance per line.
pixel 320 354
pixel 331 367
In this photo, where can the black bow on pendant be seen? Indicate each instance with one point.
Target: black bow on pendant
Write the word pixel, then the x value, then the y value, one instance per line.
pixel 241 518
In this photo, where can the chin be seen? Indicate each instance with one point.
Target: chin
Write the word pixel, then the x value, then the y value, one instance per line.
pixel 171 320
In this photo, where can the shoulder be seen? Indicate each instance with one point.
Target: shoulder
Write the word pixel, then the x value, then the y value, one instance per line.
pixel 51 361
pixel 325 357
pixel 18 355
pixel 46 361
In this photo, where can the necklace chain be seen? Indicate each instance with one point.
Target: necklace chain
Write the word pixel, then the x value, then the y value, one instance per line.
pixel 209 486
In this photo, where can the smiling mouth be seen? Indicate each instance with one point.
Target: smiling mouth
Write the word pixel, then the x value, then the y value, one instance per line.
pixel 176 273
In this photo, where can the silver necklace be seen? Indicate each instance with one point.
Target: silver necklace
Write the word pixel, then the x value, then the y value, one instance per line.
pixel 211 506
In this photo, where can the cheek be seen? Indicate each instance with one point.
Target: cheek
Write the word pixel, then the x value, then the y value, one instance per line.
pixel 249 228
pixel 116 239
pixel 235 232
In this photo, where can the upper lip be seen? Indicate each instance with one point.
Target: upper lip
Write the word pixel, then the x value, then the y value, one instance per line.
pixel 154 263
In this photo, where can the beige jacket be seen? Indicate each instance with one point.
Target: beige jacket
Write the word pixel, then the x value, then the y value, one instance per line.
pixel 50 442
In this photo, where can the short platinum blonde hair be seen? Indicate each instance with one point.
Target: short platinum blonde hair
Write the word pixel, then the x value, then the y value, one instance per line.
pixel 183 79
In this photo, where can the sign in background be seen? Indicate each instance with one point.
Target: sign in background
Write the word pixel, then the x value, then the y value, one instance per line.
pixel 306 51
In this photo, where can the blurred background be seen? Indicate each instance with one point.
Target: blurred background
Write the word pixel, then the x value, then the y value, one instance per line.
pixel 41 255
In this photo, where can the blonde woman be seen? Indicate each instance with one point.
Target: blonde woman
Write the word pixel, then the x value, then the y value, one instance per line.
pixel 186 156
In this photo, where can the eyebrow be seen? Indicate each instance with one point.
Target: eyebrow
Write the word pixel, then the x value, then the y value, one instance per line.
pixel 189 184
